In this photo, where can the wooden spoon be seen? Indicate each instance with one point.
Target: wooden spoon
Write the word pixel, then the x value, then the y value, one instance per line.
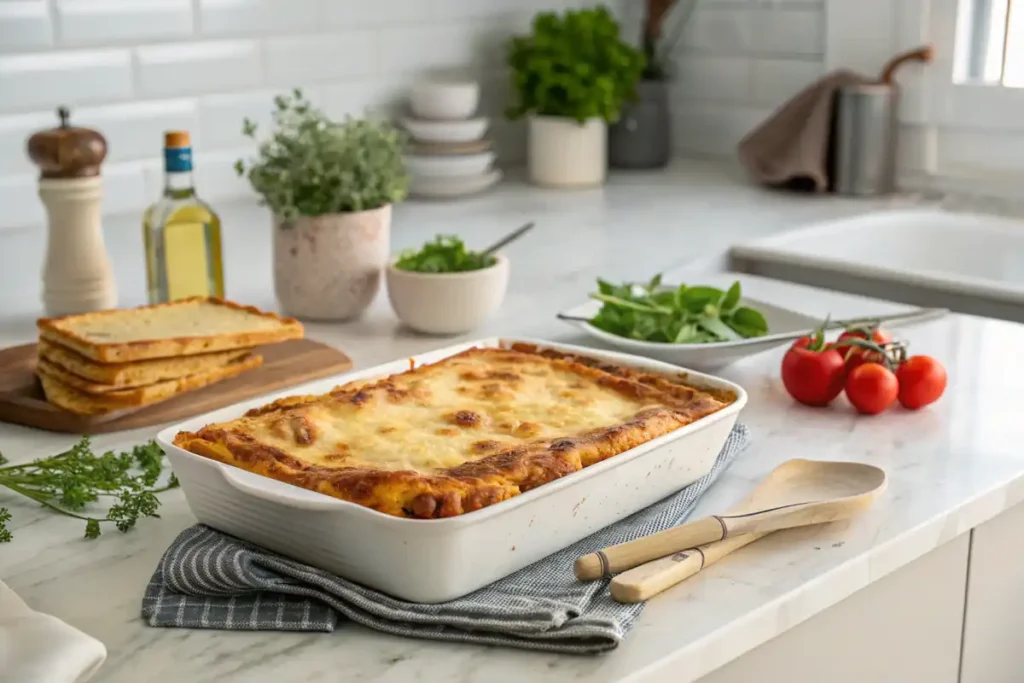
pixel 796 493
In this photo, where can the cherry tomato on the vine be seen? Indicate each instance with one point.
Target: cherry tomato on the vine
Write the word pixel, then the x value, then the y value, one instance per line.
pixel 812 372
pixel 871 388
pixel 856 355
pixel 922 381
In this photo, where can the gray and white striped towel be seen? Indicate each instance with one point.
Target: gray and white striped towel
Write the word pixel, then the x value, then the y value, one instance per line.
pixel 208 579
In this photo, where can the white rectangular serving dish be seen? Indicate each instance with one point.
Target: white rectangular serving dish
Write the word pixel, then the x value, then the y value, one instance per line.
pixel 429 561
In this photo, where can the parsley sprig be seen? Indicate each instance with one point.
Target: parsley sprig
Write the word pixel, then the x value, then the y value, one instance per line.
pixel 445 254
pixel 70 481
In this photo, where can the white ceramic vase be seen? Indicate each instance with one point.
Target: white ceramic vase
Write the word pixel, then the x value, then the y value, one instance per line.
pixel 329 268
pixel 563 153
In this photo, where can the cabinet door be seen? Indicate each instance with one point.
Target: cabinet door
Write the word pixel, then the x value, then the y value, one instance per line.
pixel 904 627
pixel 994 623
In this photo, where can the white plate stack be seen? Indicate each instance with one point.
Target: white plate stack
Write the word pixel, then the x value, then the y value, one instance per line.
pixel 449 155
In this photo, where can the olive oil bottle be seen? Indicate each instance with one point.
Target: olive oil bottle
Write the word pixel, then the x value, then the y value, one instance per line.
pixel 181 233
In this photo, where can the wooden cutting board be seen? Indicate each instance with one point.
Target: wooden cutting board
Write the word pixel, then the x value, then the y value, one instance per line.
pixel 286 364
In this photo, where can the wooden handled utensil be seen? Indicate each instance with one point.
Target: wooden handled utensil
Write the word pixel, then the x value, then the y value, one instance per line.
pixel 796 493
pixel 644 582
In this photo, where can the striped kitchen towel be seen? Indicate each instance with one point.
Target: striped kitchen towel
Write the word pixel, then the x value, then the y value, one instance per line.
pixel 208 579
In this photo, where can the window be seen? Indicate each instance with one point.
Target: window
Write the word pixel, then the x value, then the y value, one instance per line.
pixel 990 43
pixel 977 80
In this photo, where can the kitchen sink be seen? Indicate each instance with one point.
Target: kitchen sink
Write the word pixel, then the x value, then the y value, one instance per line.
pixel 968 262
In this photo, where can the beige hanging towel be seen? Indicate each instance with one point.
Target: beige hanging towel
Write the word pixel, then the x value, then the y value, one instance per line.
pixel 792 148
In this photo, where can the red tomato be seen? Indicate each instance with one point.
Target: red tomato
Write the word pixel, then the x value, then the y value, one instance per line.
pixel 856 355
pixel 871 388
pixel 922 381
pixel 813 377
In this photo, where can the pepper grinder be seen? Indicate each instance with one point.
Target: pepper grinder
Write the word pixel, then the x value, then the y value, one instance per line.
pixel 77 275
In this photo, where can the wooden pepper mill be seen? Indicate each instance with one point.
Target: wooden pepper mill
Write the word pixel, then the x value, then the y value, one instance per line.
pixel 77 275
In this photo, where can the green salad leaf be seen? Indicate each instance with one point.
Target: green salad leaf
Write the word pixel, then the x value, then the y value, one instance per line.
pixel 445 254
pixel 697 314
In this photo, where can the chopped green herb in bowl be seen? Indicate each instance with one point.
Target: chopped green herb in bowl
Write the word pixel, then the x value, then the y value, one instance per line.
pixel 445 254
pixel 696 314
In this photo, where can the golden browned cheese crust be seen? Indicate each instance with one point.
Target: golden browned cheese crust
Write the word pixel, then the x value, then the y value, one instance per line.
pixel 458 435
pixel 177 328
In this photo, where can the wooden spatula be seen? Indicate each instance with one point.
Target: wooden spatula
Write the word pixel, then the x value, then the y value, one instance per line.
pixel 796 493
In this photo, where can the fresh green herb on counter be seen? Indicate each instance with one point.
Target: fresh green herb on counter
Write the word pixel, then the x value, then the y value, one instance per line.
pixel 696 314
pixel 445 254
pixel 69 481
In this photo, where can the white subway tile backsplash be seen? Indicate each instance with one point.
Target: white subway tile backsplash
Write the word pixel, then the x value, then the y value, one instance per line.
pixel 14 134
pixel 233 17
pixel 216 178
pixel 320 58
pixel 103 22
pixel 372 97
pixel 777 80
pixel 402 50
pixel 701 78
pixel 47 79
pixel 720 29
pixel 221 116
pixel 377 13
pixel 124 187
pixel 135 130
pixel 713 130
pixel 777 31
pixel 24 25
pixel 20 201
pixel 184 68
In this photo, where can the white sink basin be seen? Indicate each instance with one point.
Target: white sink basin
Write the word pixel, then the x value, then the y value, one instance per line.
pixel 968 262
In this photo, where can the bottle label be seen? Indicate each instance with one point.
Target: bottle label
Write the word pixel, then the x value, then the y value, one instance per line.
pixel 177 159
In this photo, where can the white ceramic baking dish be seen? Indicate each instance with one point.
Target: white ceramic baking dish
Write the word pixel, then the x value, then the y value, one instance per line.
pixel 437 560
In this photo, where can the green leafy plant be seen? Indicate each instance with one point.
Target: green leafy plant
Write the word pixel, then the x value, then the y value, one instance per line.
pixel 683 314
pixel 656 48
pixel 573 65
pixel 68 482
pixel 312 166
pixel 445 254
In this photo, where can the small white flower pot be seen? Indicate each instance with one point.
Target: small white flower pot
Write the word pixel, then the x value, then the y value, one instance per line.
pixel 564 153
pixel 330 268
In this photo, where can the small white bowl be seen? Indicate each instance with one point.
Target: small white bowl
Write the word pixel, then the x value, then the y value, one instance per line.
pixel 444 101
pixel 447 303
pixel 451 166
pixel 469 130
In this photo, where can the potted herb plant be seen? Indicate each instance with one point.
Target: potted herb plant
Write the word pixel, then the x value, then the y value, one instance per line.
pixel 642 137
pixel 330 187
pixel 571 75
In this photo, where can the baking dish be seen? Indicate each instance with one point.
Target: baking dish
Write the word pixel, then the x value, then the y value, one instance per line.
pixel 431 561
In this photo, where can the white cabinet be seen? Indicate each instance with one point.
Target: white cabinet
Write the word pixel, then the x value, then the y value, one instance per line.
pixel 994 622
pixel 904 627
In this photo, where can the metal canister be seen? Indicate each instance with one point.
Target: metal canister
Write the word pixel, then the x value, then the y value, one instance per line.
pixel 866 139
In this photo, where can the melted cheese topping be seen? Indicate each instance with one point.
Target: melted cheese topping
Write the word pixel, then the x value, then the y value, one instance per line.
pixel 458 410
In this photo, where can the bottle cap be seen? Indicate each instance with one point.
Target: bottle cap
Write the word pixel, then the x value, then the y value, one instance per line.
pixel 67 151
pixel 176 139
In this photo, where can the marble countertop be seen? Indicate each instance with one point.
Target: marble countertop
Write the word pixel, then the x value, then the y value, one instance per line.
pixel 952 466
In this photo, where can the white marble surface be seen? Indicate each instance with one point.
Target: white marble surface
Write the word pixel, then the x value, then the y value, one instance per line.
pixel 952 466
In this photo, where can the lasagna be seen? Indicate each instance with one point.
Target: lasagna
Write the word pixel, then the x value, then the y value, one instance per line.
pixel 457 435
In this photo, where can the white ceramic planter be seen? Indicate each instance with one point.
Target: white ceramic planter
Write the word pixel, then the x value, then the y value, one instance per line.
pixel 330 267
pixel 447 303
pixel 564 153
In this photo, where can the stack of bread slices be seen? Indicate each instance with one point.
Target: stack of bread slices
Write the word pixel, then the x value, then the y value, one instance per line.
pixel 120 359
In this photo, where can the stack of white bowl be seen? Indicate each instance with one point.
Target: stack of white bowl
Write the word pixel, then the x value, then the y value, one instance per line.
pixel 449 155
